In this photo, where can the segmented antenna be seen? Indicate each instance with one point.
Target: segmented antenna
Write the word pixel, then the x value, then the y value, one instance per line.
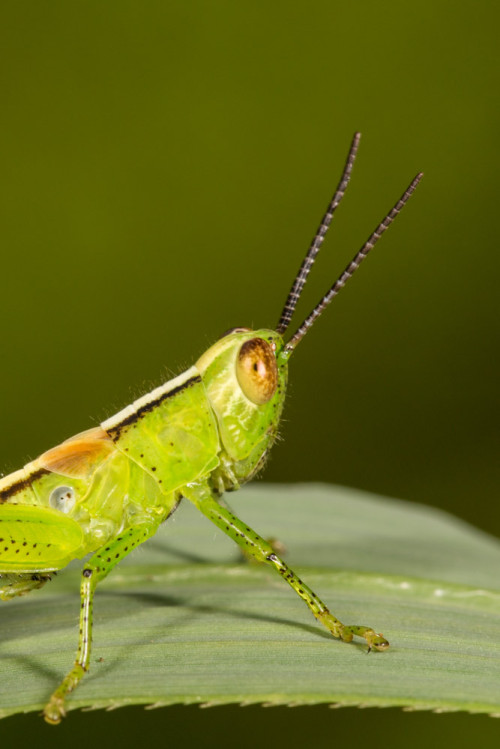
pixel 353 265
pixel 307 263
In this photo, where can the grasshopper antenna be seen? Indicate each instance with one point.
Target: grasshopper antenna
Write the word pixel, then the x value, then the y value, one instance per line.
pixel 307 263
pixel 353 266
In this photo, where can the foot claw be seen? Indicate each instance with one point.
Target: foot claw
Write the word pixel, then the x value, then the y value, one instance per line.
pixel 54 712
pixel 376 641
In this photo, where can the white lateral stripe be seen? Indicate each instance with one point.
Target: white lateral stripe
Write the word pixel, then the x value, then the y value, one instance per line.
pixel 12 478
pixel 151 397
pixel 18 477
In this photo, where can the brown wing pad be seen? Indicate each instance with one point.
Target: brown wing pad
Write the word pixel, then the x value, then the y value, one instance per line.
pixel 78 456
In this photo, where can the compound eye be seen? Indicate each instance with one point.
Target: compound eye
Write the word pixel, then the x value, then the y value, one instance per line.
pixel 256 371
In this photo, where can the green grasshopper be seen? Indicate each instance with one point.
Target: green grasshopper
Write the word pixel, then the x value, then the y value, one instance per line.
pixel 205 432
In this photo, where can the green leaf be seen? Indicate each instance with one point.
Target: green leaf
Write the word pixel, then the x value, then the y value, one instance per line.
pixel 185 619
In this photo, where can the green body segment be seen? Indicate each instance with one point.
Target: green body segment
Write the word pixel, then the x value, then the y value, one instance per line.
pixel 171 433
pixel 115 493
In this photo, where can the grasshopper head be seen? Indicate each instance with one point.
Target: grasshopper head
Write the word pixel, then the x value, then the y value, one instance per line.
pixel 245 378
pixel 245 373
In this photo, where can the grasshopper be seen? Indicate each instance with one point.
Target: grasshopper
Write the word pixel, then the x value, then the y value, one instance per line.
pixel 205 432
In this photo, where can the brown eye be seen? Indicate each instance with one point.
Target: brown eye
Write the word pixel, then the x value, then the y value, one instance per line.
pixel 256 371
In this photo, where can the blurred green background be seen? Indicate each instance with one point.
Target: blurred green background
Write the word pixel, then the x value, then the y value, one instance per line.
pixel 164 166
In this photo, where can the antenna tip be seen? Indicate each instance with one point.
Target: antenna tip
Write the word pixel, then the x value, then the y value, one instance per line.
pixel 415 182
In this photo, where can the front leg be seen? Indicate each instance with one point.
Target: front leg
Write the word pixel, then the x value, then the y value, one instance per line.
pixel 95 570
pixel 257 547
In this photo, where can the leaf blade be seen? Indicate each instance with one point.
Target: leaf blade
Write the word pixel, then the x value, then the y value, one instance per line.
pixel 204 627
